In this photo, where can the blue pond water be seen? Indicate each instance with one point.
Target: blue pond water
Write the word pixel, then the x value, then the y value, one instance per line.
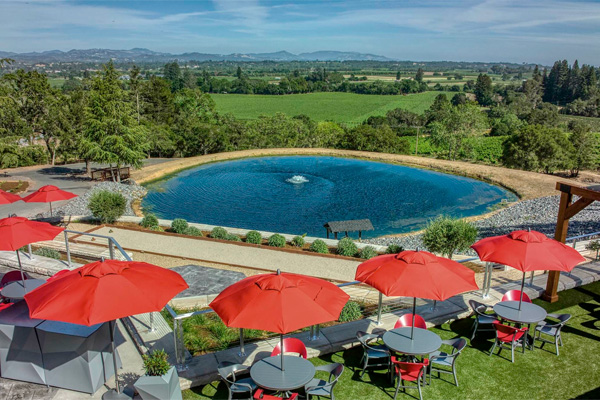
pixel 260 193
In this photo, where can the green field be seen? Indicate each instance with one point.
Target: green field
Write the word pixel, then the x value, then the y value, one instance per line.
pixel 322 106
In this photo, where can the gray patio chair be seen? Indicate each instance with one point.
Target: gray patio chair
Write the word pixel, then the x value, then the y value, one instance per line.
pixel 324 388
pixel 245 386
pixel 481 317
pixel 447 359
pixel 374 355
pixel 551 329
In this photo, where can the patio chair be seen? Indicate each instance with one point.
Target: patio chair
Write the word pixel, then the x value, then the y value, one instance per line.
pixel 260 394
pixel 508 335
pixel 551 329
pixel 374 355
pixel 481 317
pixel 12 276
pixel 515 295
pixel 410 372
pixel 324 388
pixel 447 359
pixel 229 374
pixel 291 345
pixel 406 321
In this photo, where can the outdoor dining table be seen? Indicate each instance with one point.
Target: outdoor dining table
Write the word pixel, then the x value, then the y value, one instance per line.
pixel 422 342
pixel 16 290
pixel 297 372
pixel 528 314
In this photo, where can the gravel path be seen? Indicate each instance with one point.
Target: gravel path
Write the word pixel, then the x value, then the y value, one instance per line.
pixel 538 214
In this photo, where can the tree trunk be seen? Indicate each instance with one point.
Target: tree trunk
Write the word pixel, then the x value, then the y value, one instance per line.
pixel 112 172
pixel 88 168
pixel 53 156
pixel 119 173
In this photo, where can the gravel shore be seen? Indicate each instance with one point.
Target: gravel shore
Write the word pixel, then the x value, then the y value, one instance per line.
pixel 538 214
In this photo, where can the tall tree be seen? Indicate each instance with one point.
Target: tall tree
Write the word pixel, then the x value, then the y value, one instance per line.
pixel 419 75
pixel 483 90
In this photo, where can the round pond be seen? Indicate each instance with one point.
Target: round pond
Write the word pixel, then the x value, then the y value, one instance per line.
pixel 299 194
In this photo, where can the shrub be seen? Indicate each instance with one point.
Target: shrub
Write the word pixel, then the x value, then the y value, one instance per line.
pixel 350 312
pixel 368 252
pixel 254 237
pixel 193 231
pixel 107 206
pixel 594 245
pixel 276 240
pixel 219 233
pixel 394 249
pixel 156 363
pixel 149 221
pixel 346 247
pixel 179 225
pixel 319 246
pixel 446 235
pixel 157 228
pixel 298 241
pixel 50 253
pixel 233 238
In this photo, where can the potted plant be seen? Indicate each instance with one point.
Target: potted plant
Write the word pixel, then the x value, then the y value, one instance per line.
pixel 161 381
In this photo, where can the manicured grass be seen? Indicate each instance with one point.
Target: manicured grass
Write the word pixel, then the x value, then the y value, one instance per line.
pixel 537 374
pixel 321 106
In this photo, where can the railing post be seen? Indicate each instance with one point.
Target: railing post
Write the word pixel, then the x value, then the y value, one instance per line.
pixel 379 308
pixel 316 332
pixel 531 279
pixel 29 251
pixel 111 249
pixel 242 352
pixel 179 347
pixel 67 248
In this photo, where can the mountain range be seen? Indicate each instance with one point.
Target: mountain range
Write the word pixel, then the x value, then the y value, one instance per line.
pixel 145 55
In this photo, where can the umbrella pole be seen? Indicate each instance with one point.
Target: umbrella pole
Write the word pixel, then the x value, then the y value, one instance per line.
pixel 21 269
pixel 412 328
pixel 112 325
pixel 281 345
pixel 522 286
pixel 50 208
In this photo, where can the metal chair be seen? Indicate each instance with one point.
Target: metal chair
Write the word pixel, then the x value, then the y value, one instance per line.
pixel 12 276
pixel 406 321
pixel 261 395
pixel 447 359
pixel 410 372
pixel 374 355
pixel 324 388
pixel 481 317
pixel 291 345
pixel 551 329
pixel 228 372
pixel 515 295
pixel 508 335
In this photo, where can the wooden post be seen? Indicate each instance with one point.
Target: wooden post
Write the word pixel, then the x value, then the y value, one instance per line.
pixel 560 234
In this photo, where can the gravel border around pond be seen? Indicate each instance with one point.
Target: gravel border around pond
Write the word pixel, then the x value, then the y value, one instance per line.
pixel 538 214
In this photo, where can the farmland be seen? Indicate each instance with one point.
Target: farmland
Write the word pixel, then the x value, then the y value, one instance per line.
pixel 321 106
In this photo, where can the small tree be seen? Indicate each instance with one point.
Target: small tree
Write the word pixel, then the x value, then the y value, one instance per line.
pixel 107 206
pixel 446 235
pixel 594 246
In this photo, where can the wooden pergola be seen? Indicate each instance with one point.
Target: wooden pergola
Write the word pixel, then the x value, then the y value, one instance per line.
pixel 348 226
pixel 567 209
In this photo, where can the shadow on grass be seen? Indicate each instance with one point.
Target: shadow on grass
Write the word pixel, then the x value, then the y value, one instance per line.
pixel 592 394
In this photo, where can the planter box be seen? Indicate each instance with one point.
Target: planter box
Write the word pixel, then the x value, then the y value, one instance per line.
pixel 164 387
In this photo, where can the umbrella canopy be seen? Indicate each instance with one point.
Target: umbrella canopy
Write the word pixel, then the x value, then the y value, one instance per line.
pixel 528 251
pixel 104 291
pixel 8 198
pixel 279 302
pixel 416 274
pixel 48 194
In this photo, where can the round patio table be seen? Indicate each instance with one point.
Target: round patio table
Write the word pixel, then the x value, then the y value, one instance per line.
pixel 529 314
pixel 423 341
pixel 297 372
pixel 16 291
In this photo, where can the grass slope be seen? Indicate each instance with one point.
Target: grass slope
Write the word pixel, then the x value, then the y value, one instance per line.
pixel 321 106
pixel 537 374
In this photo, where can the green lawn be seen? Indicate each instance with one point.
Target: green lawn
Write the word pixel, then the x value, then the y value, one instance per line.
pixel 321 106
pixel 537 374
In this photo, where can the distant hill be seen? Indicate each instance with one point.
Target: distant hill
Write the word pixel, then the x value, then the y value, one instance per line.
pixel 145 55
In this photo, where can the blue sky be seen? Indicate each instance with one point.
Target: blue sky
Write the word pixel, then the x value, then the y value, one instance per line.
pixel 539 31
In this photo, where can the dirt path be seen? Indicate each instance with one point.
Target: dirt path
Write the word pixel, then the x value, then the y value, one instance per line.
pixel 527 185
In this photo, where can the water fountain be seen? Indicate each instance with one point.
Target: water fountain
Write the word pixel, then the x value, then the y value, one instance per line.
pixel 297 179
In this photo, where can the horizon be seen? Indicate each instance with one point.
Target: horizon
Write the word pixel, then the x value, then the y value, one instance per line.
pixel 492 31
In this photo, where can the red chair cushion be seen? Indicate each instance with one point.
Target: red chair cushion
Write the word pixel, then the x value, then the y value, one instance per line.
pixel 291 345
pixel 515 295
pixel 406 320
pixel 506 333
pixel 4 306
pixel 260 394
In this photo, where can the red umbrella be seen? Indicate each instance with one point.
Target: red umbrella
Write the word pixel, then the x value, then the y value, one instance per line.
pixel 528 251
pixel 279 302
pixel 416 274
pixel 8 198
pixel 48 194
pixel 105 291
pixel 16 232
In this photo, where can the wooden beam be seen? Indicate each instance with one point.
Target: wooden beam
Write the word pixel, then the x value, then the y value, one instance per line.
pixel 560 234
pixel 579 191
pixel 576 207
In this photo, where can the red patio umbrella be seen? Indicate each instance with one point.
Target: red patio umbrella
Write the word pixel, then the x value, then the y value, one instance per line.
pixel 8 198
pixel 279 302
pixel 16 232
pixel 105 291
pixel 48 194
pixel 416 274
pixel 528 251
